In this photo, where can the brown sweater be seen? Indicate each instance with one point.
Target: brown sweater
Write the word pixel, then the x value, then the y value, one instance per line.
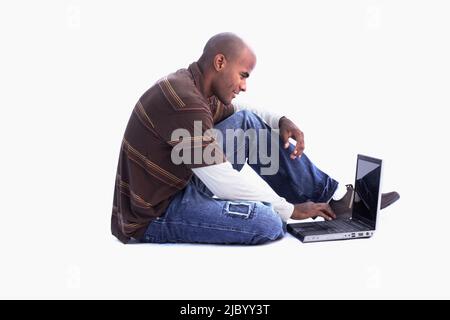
pixel 147 179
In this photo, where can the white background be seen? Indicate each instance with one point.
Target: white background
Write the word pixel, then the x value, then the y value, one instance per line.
pixel 359 76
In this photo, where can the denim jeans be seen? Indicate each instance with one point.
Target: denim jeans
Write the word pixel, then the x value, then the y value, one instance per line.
pixel 195 216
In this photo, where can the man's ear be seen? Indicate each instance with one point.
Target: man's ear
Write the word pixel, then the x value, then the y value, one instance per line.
pixel 219 62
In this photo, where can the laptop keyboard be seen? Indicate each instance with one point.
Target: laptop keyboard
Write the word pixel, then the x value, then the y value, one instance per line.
pixel 342 225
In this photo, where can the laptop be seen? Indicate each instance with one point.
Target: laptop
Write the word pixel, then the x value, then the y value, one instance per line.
pixel 365 208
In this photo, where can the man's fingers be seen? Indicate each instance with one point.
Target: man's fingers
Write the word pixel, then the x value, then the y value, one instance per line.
pixel 300 145
pixel 312 210
pixel 298 151
pixel 300 142
pixel 293 154
pixel 325 208
pixel 285 138
pixel 323 215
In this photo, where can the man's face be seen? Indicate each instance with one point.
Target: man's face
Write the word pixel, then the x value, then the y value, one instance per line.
pixel 232 78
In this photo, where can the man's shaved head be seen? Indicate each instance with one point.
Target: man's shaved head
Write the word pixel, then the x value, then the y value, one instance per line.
pixel 226 63
pixel 227 43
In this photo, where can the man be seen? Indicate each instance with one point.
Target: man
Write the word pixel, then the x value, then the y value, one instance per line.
pixel 161 195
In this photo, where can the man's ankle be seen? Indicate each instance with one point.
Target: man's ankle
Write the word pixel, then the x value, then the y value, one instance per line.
pixel 340 192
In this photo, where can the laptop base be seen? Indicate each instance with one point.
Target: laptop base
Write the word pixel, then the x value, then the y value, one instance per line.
pixel 299 230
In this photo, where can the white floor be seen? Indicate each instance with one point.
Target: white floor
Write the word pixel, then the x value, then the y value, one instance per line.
pixel 405 259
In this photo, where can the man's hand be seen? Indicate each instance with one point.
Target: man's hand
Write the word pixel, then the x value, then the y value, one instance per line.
pixel 288 129
pixel 311 210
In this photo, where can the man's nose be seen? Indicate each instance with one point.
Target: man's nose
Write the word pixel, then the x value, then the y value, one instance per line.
pixel 243 86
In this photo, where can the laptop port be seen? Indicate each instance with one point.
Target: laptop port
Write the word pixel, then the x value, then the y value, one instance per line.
pixel 360 234
pixel 353 235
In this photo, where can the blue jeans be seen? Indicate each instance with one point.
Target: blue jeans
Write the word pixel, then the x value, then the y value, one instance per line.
pixel 194 216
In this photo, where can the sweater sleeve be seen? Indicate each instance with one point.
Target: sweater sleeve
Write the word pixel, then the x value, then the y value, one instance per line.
pixel 228 183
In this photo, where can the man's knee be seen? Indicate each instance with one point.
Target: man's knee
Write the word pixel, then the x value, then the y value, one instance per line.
pixel 247 114
pixel 251 120
pixel 268 225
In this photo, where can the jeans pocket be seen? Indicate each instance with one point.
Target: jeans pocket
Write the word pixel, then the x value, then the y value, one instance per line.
pixel 243 210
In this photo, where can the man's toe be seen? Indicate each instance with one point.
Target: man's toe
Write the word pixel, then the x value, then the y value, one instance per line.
pixel 389 198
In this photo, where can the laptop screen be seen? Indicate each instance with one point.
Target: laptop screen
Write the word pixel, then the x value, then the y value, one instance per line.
pixel 367 188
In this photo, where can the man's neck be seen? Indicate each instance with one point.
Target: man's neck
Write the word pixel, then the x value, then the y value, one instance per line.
pixel 205 87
